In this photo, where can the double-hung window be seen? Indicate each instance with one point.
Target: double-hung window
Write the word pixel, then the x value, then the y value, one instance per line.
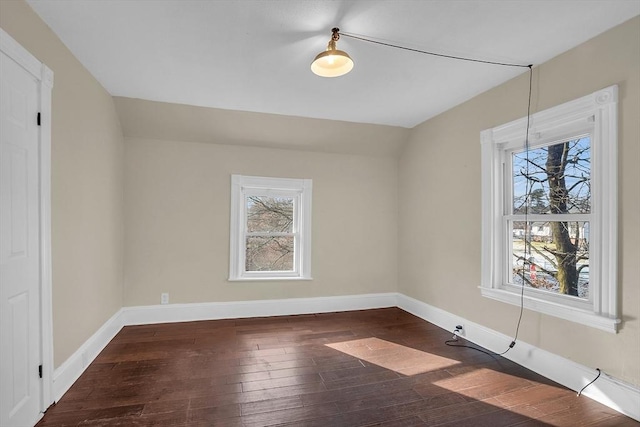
pixel 549 211
pixel 270 228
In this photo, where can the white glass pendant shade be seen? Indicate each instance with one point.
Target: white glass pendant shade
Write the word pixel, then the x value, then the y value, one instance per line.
pixel 332 62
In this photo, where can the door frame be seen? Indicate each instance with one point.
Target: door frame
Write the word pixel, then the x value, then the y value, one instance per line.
pixel 44 78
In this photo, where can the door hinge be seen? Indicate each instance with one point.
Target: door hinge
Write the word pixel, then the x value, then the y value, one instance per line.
pixel 40 371
pixel 38 119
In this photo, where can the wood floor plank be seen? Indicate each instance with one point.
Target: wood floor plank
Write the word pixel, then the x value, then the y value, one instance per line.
pixel 380 367
pixel 378 400
pixel 500 418
pixel 271 405
pixel 456 413
pixel 281 382
pixel 213 414
pixel 292 415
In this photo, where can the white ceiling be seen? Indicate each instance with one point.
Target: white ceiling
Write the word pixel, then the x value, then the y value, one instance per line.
pixel 254 55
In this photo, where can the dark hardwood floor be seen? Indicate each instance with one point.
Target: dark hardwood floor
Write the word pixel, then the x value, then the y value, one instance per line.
pixel 376 367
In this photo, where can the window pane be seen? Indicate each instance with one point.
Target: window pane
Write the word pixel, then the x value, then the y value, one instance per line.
pixel 269 253
pixel 557 256
pixel 269 214
pixel 556 178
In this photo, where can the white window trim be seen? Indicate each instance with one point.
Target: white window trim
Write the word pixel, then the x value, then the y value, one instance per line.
pixel 597 112
pixel 300 189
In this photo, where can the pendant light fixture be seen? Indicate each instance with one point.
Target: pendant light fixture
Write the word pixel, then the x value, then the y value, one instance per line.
pixel 332 62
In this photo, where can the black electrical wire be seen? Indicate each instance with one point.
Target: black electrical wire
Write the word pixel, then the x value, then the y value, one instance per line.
pixel 527 233
pixel 441 55
pixel 453 343
pixel 592 381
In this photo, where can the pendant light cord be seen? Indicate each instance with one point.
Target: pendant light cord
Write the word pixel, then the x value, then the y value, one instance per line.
pixel 441 55
pixel 527 232
pixel 527 235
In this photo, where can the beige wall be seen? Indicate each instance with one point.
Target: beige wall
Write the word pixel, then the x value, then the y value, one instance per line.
pixel 178 122
pixel 439 177
pixel 87 187
pixel 177 221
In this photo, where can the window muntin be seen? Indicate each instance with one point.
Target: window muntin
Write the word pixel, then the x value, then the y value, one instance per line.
pixel 590 124
pixel 270 228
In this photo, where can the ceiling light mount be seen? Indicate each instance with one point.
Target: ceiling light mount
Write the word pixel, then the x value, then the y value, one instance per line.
pixel 332 62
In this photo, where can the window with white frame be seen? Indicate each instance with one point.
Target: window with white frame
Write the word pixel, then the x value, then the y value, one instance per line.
pixel 270 228
pixel 549 211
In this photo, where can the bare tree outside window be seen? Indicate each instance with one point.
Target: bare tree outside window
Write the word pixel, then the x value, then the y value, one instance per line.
pixel 270 238
pixel 556 181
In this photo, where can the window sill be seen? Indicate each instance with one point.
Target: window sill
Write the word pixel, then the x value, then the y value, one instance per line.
pixel 540 305
pixel 263 279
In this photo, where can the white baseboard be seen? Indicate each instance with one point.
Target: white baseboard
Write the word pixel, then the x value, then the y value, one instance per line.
pixel 66 374
pixel 143 315
pixel 609 391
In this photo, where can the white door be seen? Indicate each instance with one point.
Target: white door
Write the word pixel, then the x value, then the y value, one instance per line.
pixel 20 327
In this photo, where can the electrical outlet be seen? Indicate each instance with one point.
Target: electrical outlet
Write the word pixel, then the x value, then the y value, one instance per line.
pixel 164 298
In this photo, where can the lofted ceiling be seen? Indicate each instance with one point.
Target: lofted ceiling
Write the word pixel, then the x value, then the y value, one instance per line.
pixel 254 55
